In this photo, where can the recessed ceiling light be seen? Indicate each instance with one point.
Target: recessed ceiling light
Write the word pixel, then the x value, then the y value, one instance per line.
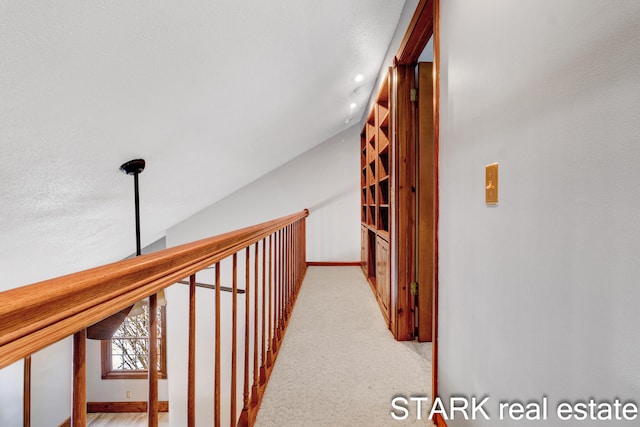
pixel 353 105
pixel 358 78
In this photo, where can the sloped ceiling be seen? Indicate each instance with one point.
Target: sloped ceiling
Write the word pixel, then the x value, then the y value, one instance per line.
pixel 213 94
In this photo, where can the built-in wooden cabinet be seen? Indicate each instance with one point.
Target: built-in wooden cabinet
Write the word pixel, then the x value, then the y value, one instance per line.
pixel 375 145
pixel 399 200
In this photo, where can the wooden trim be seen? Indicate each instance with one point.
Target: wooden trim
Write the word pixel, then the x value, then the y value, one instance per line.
pixel 35 316
pixel 118 407
pixel 436 136
pixel 334 264
pixel 424 24
pixel 66 423
pixel 418 34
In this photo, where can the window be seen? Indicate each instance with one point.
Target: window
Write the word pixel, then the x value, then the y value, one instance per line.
pixel 126 355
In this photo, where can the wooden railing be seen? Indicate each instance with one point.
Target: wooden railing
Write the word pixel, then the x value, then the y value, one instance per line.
pixel 35 316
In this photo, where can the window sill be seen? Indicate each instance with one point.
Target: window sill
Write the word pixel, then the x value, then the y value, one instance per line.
pixel 131 375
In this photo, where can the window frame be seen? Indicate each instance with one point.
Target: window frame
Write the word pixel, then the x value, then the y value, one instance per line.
pixel 108 373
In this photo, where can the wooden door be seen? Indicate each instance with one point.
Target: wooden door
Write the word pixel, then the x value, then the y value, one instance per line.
pixel 427 200
pixel 403 236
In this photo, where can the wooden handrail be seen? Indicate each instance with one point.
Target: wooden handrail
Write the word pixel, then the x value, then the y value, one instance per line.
pixel 35 316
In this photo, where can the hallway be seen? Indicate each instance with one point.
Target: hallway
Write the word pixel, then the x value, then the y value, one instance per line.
pixel 339 365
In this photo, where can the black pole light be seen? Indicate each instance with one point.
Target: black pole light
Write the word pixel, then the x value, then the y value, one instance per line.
pixel 135 168
pixel 104 329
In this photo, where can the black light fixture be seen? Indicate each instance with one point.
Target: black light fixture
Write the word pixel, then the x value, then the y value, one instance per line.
pixel 104 329
pixel 135 168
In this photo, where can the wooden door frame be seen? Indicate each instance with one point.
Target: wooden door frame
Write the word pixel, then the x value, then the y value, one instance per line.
pixel 424 24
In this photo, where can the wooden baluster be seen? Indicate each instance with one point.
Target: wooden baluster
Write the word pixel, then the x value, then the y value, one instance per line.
pixel 263 372
pixel 216 413
pixel 297 256
pixel 280 287
pixel 79 410
pixel 294 259
pixel 292 263
pixel 26 396
pixel 303 233
pixel 254 390
pixel 276 289
pixel 302 245
pixel 274 292
pixel 298 253
pixel 152 366
pixel 289 284
pixel 234 338
pixel 285 273
pixel 270 305
pixel 283 284
pixel 191 387
pixel 290 267
pixel 244 417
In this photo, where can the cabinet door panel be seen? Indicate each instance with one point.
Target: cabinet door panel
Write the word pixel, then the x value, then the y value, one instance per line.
pixel 363 249
pixel 382 271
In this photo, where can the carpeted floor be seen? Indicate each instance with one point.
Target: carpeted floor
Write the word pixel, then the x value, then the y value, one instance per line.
pixel 339 364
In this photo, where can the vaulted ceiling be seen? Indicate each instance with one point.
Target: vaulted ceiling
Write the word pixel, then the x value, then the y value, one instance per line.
pixel 213 94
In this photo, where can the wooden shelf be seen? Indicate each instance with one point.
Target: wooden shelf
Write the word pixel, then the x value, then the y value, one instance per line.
pixel 383 114
pixel 376 209
pixel 375 147
pixel 383 142
pixel 384 120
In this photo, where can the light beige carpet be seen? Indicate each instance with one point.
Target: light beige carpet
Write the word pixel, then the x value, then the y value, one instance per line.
pixel 339 364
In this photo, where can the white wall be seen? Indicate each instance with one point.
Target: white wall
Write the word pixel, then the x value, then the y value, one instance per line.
pixel 51 398
pixel 326 181
pixel 50 388
pixel 401 29
pixel 539 295
pixel 115 390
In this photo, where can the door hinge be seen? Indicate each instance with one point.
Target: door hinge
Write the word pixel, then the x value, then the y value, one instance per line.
pixel 414 288
pixel 413 95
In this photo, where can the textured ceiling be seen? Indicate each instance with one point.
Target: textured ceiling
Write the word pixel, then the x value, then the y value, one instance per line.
pixel 213 94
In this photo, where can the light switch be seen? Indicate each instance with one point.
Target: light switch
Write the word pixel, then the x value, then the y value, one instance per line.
pixel 491 189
